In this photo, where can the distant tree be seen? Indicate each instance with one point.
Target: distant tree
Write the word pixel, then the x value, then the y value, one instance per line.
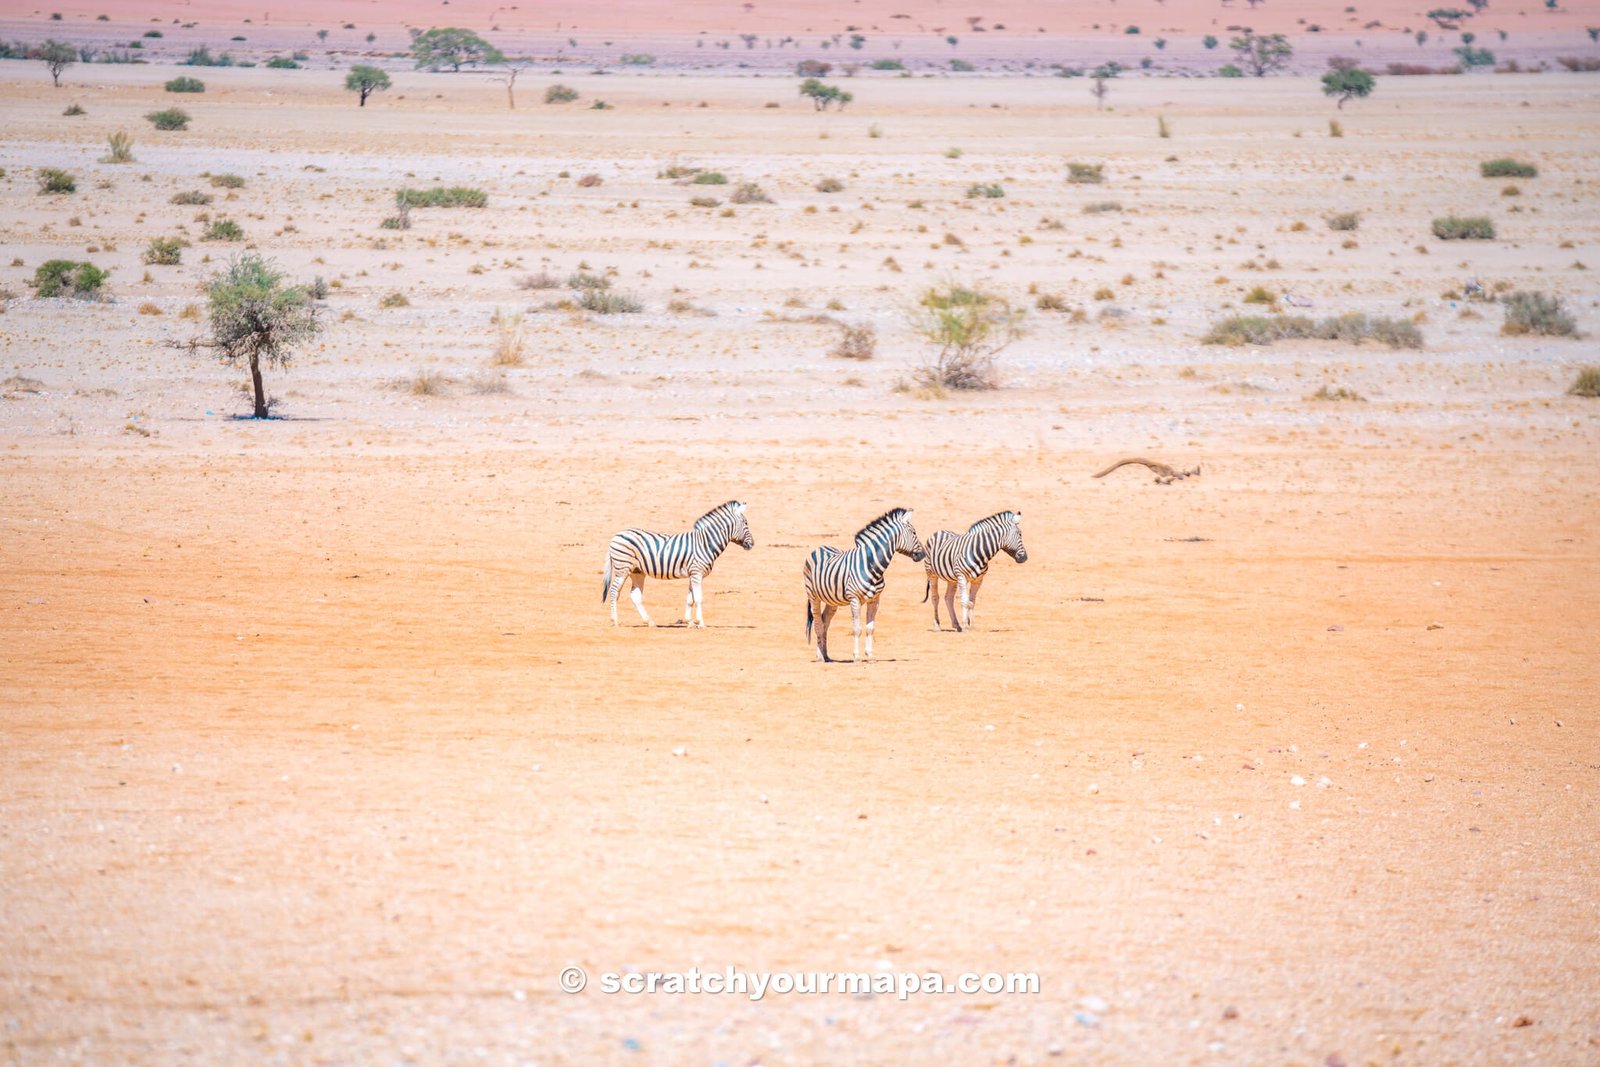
pixel 1262 54
pixel 1100 90
pixel 1347 83
pixel 366 81
pixel 1448 18
pixel 452 47
pixel 256 319
pixel 513 67
pixel 322 35
pixel 57 56
pixel 812 68
pixel 1477 5
pixel 1209 41
pixel 952 40
pixel 823 95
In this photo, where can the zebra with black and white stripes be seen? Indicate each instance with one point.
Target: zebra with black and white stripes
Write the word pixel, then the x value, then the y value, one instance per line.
pixel 963 559
pixel 641 554
pixel 856 577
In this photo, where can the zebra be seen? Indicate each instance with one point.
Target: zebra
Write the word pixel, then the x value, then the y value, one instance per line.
pixel 963 559
pixel 641 554
pixel 835 578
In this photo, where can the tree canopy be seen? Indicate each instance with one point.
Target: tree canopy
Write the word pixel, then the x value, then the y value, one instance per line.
pixel 366 80
pixel 1347 84
pixel 452 47
pixel 256 319
pixel 822 95
pixel 57 56
pixel 1262 54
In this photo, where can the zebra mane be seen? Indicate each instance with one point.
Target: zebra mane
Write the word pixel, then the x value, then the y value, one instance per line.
pixel 888 518
pixel 720 509
pixel 1007 516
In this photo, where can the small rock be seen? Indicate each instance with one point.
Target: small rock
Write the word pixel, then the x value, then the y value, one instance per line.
pixel 1230 1012
pixel 1336 629
pixel 1086 1018
pixel 1435 626
pixel 1521 1021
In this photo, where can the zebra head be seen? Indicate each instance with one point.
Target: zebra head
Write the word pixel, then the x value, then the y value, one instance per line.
pixel 740 531
pixel 906 541
pixel 726 525
pixel 1013 545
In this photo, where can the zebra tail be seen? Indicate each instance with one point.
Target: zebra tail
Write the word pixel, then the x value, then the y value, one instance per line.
pixel 606 588
pixel 926 590
pixel 808 620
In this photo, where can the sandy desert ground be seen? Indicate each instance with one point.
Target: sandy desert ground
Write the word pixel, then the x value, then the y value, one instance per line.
pixel 319 746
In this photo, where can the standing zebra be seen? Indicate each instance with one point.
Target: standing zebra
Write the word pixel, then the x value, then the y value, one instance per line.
pixel 640 554
pixel 834 578
pixel 963 559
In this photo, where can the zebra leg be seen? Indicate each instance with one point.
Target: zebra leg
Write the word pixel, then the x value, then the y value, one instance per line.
pixel 698 596
pixel 855 630
pixel 950 605
pixel 688 604
pixel 934 582
pixel 966 603
pixel 637 596
pixel 872 615
pixel 823 619
pixel 972 598
pixel 614 594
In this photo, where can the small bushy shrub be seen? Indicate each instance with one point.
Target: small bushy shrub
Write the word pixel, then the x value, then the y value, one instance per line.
pixel 586 280
pixel 227 181
pixel 749 193
pixel 394 299
pixel 453 196
pixel 1352 328
pixel 282 63
pixel 830 185
pixel 164 251
pixel 1587 383
pixel 1344 220
pixel 856 342
pixel 186 85
pixel 74 110
pixel 1086 173
pixel 709 177
pixel 172 118
pixel 987 191
pixel 1101 207
pixel 1507 168
pixel 560 94
pixel 191 197
pixel 1537 313
pixel 1453 228
pixel 119 148
pixel 704 201
pixel 54 180
pixel 66 277
pixel 605 302
pixel 223 230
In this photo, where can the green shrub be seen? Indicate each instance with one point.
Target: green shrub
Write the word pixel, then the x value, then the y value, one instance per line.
pixel 1344 220
pixel 1261 295
pixel 1229 71
pixel 223 230
pixel 1086 173
pixel 172 118
pixel 202 57
pixel 638 59
pixel 119 148
pixel 560 94
pixel 1352 328
pixel 65 277
pixel 1587 383
pixel 704 201
pixel 164 251
pixel 830 185
pixel 585 280
pixel 186 85
pixel 227 181
pixel 191 197
pixel 282 63
pixel 394 299
pixel 749 193
pixel 1537 313
pixel 600 105
pixel 53 180
pixel 960 66
pixel 887 64
pixel 152 33
pixel 1452 228
pixel 604 302
pixel 440 196
pixel 74 110
pixel 710 177
pixel 1507 168
pixel 990 191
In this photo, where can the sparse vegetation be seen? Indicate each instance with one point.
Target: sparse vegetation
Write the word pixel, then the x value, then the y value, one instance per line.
pixel 560 94
pixel 1537 313
pixel 709 177
pixel 66 277
pixel 452 47
pixel 1453 228
pixel 227 181
pixel 1507 168
pixel 855 342
pixel 202 57
pixel 394 298
pixel 606 302
pixel 442 196
pixel 986 191
pixel 57 57
pixel 192 197
pixel 1347 83
pixel 749 193
pixel 830 185
pixel 1261 54
pixel 1328 392
pixel 164 251
pixel 1261 295
pixel 824 96
pixel 967 328
pixel 1100 207
pixel 1353 328
pixel 74 110
pixel 1086 173
pixel 1587 383
pixel 282 63
pixel 401 219
pixel 54 180
pixel 223 230
pixel 119 148
pixel 186 84
pixel 1344 220
pixel 172 118
pixel 587 280
pixel 510 342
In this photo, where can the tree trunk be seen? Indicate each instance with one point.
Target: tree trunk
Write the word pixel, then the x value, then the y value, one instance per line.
pixel 364 93
pixel 261 395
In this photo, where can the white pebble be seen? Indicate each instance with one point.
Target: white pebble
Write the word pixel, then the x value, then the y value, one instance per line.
pixel 1297 780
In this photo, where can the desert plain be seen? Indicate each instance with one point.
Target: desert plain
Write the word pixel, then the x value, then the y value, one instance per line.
pixel 319 747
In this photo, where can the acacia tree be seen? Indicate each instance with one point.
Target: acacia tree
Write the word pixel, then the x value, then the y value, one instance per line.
pixel 452 47
pixel 366 81
pixel 1262 54
pixel 1346 81
pixel 823 95
pixel 966 328
pixel 57 56
pixel 256 319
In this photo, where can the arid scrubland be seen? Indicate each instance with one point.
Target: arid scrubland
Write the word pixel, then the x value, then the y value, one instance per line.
pixel 319 744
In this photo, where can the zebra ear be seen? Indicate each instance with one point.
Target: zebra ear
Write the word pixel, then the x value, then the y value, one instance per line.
pixel 1018 514
pixel 738 505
